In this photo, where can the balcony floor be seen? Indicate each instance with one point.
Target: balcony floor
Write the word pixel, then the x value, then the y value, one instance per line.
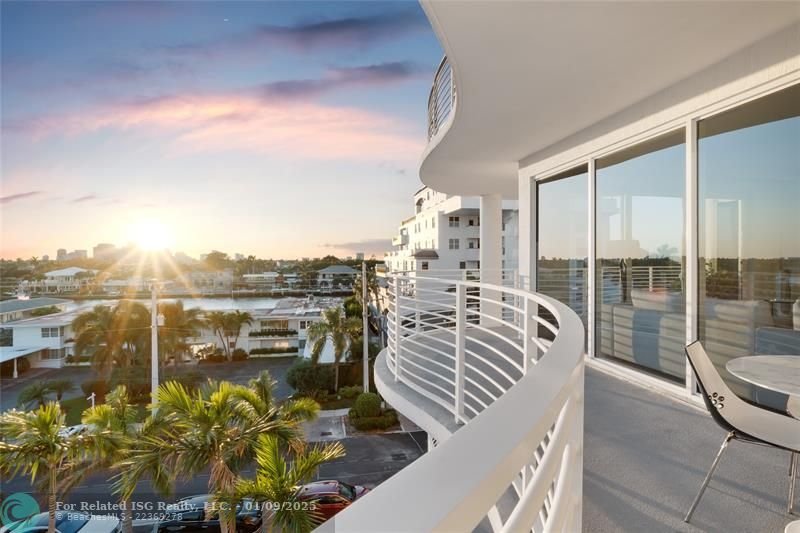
pixel 646 455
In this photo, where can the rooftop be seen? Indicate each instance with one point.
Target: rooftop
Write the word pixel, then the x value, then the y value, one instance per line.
pixel 70 271
pixel 10 306
pixel 56 319
pixel 338 269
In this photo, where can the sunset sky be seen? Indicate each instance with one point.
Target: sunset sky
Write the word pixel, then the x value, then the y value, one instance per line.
pixel 276 129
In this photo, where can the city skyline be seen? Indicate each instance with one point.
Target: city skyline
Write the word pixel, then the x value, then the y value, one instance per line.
pixel 198 125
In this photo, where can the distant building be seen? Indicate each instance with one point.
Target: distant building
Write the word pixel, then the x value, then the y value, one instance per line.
pixel 444 234
pixel 360 256
pixel 57 281
pixel 104 250
pixel 183 259
pixel 336 277
pixel 61 254
pixel 238 257
pixel 211 281
pixel 45 258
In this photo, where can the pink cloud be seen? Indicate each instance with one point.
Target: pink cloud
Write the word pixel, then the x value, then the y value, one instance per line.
pixel 243 121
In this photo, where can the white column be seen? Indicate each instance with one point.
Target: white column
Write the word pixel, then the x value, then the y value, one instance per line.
pixel 590 268
pixel 491 252
pixel 527 232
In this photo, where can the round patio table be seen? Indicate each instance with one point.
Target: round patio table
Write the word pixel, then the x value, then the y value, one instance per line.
pixel 780 373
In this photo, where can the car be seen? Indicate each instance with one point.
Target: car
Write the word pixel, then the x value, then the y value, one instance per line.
pixel 197 513
pixel 73 430
pixel 331 496
pixel 66 522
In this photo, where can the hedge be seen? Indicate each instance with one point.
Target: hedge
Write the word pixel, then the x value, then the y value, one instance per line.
pixel 273 333
pixel 368 405
pixel 308 379
pixel 239 355
pixel 260 351
pixel 385 420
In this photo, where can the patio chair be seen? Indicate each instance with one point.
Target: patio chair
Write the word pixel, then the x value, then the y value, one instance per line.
pixel 743 421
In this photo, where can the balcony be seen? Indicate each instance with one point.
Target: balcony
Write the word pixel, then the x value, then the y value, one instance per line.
pixel 442 98
pixel 400 240
pixel 495 374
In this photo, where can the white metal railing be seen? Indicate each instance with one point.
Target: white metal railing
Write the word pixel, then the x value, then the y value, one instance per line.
pixel 508 365
pixel 442 98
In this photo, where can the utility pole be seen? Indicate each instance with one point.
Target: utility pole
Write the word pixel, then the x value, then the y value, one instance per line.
pixel 364 316
pixel 153 345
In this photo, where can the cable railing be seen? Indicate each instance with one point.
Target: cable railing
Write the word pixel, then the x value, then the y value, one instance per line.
pixel 506 365
pixel 442 98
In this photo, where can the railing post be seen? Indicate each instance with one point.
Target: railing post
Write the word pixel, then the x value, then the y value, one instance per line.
pixel 650 277
pixel 461 326
pixel 531 329
pixel 398 318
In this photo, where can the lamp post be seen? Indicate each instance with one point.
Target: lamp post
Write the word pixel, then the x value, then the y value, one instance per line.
pixel 155 318
pixel 365 336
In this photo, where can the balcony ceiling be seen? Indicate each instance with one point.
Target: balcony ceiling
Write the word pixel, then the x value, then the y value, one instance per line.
pixel 531 73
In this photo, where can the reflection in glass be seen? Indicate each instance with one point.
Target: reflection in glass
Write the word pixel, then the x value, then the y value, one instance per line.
pixel 562 211
pixel 749 233
pixel 641 309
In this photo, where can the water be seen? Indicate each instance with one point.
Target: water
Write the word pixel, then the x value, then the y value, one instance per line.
pixel 206 304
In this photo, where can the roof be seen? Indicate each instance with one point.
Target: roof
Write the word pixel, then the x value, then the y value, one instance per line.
pixel 426 254
pixel 338 269
pixel 7 353
pixel 71 271
pixel 10 306
pixel 320 487
pixel 56 319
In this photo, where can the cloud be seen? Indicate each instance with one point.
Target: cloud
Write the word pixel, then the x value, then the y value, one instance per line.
pixel 347 32
pixel 247 121
pixel 86 198
pixel 19 196
pixel 339 78
pixel 368 246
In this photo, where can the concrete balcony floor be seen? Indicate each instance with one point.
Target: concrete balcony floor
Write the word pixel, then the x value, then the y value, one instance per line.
pixel 646 454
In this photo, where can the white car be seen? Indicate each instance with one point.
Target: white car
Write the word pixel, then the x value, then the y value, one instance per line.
pixel 66 522
pixel 73 430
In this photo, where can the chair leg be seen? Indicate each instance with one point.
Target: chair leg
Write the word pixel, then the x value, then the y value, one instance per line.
pixel 792 479
pixel 708 477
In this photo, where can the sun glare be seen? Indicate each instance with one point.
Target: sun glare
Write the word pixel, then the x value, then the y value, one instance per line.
pixel 150 234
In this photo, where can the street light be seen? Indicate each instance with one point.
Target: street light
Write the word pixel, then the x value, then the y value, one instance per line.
pixel 156 320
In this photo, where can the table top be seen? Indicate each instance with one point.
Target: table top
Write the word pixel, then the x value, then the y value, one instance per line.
pixel 780 373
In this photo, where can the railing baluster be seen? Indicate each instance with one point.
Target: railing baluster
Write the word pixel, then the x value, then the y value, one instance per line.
pixel 398 319
pixel 461 326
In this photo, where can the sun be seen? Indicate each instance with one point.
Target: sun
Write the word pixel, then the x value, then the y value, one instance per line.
pixel 150 234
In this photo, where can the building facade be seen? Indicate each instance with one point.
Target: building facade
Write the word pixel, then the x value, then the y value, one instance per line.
pixel 445 234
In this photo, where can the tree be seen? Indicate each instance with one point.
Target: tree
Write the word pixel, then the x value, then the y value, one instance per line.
pixel 278 482
pixel 228 327
pixel 59 387
pixel 36 392
pixel 35 444
pixel 259 396
pixel 217 260
pixel 179 324
pixel 337 328
pixel 211 428
pixel 118 335
pixel 114 426
pixel 373 289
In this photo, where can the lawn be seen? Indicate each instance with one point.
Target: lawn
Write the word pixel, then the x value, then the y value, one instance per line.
pixel 75 407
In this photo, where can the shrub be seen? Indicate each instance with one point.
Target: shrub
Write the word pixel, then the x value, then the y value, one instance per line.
pixel 350 392
pixel 368 404
pixel 214 358
pixel 383 421
pixel 287 349
pixel 273 333
pixel 239 355
pixel 136 379
pixel 310 379
pixel 43 311
pixel 97 386
pixel 357 349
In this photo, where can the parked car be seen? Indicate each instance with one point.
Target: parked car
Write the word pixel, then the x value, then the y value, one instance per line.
pixel 197 514
pixel 66 522
pixel 331 496
pixel 73 430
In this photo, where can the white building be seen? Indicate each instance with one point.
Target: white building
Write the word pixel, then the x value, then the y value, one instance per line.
pixel 445 234
pixel 262 280
pixel 44 341
pixel 69 279
pixel 19 309
pixel 211 281
pixel 652 147
pixel 336 277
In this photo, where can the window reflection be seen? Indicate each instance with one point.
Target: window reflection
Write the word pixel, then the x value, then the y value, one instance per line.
pixel 641 313
pixel 749 233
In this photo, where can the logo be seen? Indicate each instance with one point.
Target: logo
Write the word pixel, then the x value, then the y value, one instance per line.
pixel 19 506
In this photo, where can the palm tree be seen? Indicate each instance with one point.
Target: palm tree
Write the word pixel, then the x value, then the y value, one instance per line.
pixel 95 331
pixel 259 397
pixel 34 393
pixel 114 425
pixel 179 324
pixel 34 444
pixel 337 328
pixel 133 322
pixel 373 289
pixel 228 327
pixel 278 480
pixel 210 428
pixel 59 387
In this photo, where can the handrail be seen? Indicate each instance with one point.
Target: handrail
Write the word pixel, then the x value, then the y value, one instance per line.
pixel 442 98
pixel 517 459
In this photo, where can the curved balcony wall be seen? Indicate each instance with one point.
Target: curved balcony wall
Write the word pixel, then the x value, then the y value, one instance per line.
pixel 495 373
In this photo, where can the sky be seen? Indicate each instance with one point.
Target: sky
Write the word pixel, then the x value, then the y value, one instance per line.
pixel 279 129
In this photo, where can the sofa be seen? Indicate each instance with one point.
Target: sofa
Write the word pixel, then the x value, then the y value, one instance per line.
pixel 650 332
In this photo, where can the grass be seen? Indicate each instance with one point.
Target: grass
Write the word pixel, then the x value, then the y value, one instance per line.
pixel 74 408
